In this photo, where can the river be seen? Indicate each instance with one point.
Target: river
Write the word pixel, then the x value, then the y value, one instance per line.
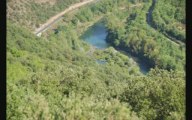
pixel 96 36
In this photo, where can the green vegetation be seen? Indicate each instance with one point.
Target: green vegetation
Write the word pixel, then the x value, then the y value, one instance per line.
pixel 134 35
pixel 169 17
pixel 32 13
pixel 54 77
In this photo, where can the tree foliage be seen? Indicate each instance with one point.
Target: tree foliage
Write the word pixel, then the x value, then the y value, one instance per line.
pixel 54 78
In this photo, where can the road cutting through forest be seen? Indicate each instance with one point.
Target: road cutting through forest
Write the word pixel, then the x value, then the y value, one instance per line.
pixel 57 17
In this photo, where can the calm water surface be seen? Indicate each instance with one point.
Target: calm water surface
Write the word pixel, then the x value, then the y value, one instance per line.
pixel 96 35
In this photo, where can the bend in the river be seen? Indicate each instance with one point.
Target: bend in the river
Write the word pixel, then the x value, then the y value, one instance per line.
pixel 96 36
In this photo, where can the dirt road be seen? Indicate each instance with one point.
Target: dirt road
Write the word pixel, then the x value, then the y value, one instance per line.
pixel 55 18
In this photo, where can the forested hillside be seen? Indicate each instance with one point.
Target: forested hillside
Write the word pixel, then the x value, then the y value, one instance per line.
pixel 32 13
pixel 136 36
pixel 169 17
pixel 62 77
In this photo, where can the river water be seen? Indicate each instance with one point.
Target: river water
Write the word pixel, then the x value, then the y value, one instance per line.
pixel 96 36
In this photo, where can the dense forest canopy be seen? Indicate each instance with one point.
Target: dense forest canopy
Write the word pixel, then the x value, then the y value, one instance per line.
pixel 170 18
pixel 56 76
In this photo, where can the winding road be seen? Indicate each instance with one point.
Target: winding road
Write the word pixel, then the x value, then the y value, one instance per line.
pixel 57 17
pixel 150 23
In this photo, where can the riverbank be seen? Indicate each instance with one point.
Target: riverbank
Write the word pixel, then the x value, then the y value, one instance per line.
pixel 96 37
pixel 81 28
